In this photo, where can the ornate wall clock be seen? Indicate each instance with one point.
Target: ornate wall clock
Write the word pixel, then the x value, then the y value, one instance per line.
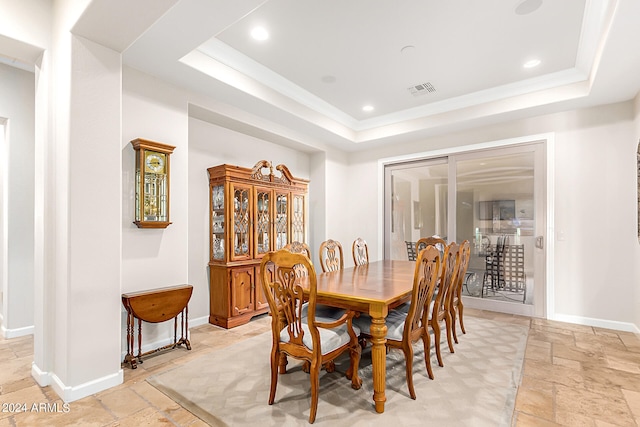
pixel 152 183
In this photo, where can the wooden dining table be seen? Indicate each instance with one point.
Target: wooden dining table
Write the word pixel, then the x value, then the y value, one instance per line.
pixel 372 288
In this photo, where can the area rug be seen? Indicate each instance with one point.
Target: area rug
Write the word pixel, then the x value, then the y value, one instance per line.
pixel 476 387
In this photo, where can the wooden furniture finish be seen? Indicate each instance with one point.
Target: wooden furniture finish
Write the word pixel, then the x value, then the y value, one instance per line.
pixel 155 306
pixel 442 301
pixel 373 288
pixel 251 212
pixel 296 335
pixel 414 323
pixel 299 248
pixel 456 307
pixel 423 242
pixel 152 190
pixel 331 256
pixel 360 252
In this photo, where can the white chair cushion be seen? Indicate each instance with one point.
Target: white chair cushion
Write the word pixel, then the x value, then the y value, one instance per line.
pixel 324 313
pixel 404 308
pixel 330 339
pixel 395 324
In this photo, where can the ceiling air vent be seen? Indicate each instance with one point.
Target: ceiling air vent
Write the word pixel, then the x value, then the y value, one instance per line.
pixel 421 89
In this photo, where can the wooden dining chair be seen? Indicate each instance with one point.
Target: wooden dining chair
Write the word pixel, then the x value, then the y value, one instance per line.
pixel 299 248
pixel 360 252
pixel 436 241
pixel 403 329
pixel 421 244
pixel 304 338
pixel 440 304
pixel 456 308
pixel 325 312
pixel 331 258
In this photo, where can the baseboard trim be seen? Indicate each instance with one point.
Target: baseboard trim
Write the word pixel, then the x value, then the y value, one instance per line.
pixel 18 332
pixel 199 321
pixel 42 378
pixel 71 394
pixel 599 323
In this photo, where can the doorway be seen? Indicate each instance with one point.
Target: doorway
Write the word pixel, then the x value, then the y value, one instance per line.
pixel 495 199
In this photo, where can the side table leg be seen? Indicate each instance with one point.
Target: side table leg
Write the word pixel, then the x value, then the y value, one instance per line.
pixel 139 340
pixel 129 358
pixel 184 328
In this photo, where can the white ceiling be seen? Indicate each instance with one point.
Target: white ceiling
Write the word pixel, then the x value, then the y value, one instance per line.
pixel 324 60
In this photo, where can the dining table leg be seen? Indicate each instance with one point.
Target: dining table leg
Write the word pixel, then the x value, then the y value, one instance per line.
pixel 379 358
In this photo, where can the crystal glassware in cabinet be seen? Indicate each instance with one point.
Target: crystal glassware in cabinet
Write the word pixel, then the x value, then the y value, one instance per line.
pixel 217 222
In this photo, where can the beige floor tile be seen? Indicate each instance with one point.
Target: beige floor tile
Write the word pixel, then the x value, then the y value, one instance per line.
pixel 573 419
pixel 571 352
pixel 631 341
pixel 611 377
pixel 535 402
pixel 85 412
pixel 537 350
pixel 17 385
pixel 14 369
pixel 572 364
pixel 182 417
pixel 600 423
pixel 537 384
pixel 123 402
pixel 633 401
pixel 198 423
pixel 623 361
pixel 146 417
pixel 551 336
pixel 528 420
pixel 555 373
pixel 572 401
pixel 155 397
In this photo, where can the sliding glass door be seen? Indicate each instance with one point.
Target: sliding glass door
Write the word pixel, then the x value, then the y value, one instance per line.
pixel 417 206
pixel 492 198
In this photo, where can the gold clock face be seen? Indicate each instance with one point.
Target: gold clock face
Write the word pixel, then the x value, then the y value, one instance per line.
pixel 154 162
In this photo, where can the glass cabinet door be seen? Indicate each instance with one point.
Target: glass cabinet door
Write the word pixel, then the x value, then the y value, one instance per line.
pixel 297 218
pixel 281 220
pixel 241 224
pixel 217 222
pixel 263 214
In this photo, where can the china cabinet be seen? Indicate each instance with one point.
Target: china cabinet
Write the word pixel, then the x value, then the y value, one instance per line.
pixel 251 211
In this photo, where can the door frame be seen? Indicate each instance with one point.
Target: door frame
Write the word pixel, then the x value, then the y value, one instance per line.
pixel 546 308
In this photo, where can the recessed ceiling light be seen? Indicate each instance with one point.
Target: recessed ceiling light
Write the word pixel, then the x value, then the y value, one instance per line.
pixel 531 63
pixel 367 108
pixel 260 33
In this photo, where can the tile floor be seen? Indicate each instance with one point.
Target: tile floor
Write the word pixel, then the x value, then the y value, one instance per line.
pixel 572 376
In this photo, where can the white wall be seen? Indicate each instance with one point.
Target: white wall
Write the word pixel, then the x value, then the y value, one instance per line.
pixel 595 197
pixel 154 258
pixel 636 292
pixel 17 105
